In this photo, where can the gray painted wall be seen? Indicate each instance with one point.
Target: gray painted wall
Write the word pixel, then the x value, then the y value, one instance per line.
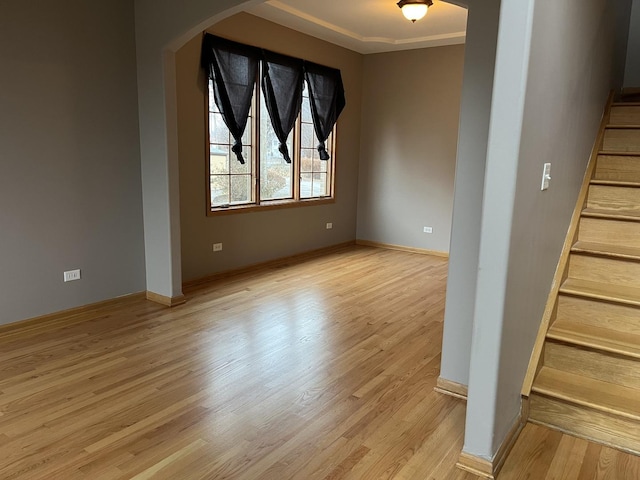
pixel 622 14
pixel 548 101
pixel 70 185
pixel 475 110
pixel 632 68
pixel 250 238
pixel 410 111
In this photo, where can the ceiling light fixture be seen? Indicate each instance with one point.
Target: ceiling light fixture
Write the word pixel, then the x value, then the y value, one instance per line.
pixel 414 9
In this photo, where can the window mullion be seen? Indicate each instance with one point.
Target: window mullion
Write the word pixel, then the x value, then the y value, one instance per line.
pixel 297 155
pixel 331 171
pixel 255 140
pixel 207 142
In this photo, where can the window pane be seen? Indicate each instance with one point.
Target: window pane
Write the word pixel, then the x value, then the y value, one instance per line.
pixel 320 187
pixel 306 160
pixel 275 181
pixel 308 136
pixel 232 183
pixel 246 136
pixel 212 103
pixel 218 159
pixel 240 189
pixel 306 107
pixel 236 166
pixel 319 165
pixel 329 145
pixel 219 190
pixel 306 185
pixel 276 175
pixel 218 131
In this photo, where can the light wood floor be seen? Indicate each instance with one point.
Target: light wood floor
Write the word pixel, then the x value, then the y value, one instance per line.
pixel 319 370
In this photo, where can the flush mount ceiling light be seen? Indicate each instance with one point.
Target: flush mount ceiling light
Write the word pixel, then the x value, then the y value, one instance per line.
pixel 414 9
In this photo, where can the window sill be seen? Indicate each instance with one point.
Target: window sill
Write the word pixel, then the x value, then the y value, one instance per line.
pixel 273 205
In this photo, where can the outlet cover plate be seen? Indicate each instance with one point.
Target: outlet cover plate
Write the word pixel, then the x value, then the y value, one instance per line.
pixel 72 275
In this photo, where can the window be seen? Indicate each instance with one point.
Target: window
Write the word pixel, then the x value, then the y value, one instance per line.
pixel 266 179
pixel 259 110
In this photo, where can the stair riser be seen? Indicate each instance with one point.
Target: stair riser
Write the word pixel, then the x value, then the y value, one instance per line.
pixel 599 314
pixel 585 422
pixel 599 365
pixel 621 140
pixel 605 270
pixel 623 115
pixel 618 168
pixel 614 198
pixel 611 232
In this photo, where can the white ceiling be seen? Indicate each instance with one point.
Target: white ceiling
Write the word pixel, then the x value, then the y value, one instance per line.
pixel 368 26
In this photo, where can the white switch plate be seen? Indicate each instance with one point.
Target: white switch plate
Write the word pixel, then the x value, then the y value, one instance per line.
pixel 546 176
pixel 217 247
pixel 427 229
pixel 329 226
pixel 72 275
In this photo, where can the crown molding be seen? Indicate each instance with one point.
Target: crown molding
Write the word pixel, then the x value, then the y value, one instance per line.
pixel 279 12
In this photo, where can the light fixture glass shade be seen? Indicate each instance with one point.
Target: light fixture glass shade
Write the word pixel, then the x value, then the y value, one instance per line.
pixel 414 11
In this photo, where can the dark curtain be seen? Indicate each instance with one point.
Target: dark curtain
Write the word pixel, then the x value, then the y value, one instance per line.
pixel 282 83
pixel 326 95
pixel 233 67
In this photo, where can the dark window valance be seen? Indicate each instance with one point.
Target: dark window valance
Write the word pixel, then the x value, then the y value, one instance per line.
pixel 233 67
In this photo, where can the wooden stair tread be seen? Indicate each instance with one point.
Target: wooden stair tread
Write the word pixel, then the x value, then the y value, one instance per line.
pixel 626 104
pixel 614 153
pixel 601 291
pixel 588 392
pixel 606 250
pixel 615 183
pixel 632 215
pixel 599 338
pixel 618 126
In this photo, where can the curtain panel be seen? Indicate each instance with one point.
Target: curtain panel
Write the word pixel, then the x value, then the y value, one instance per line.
pixel 233 67
pixel 326 95
pixel 282 84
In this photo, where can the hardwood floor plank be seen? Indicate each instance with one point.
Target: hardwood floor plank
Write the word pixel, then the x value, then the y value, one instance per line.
pixel 532 455
pixel 567 459
pixel 171 460
pixel 588 470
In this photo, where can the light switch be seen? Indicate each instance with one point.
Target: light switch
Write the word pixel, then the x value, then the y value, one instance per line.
pixel 546 176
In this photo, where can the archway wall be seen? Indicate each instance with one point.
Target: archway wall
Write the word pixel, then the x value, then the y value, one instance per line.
pixel 163 26
pixel 632 68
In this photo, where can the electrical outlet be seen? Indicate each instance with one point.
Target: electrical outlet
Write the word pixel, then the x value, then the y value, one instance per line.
pixel 329 226
pixel 427 229
pixel 72 275
pixel 217 247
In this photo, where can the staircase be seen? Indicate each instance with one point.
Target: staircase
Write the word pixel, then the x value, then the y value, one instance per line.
pixel 584 377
